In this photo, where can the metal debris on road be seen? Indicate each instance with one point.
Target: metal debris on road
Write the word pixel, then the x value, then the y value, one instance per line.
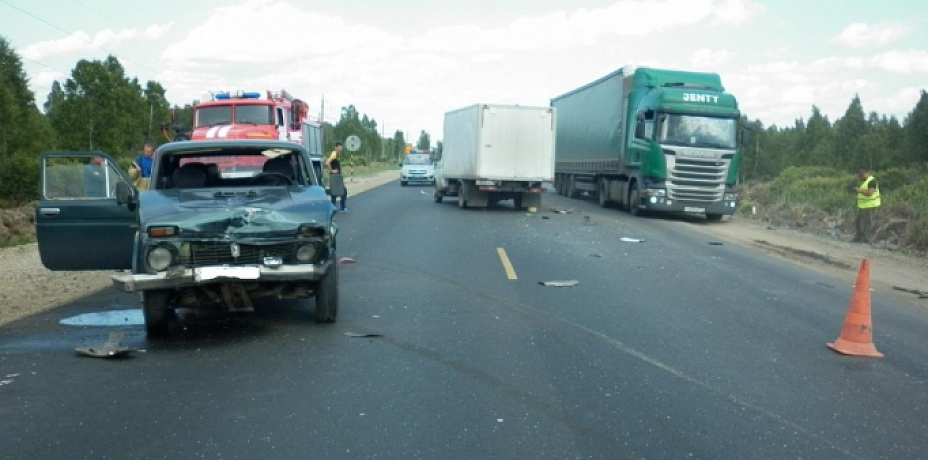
pixel 110 349
pixel 362 334
pixel 347 260
pixel 632 240
pixel 596 254
pixel 567 283
pixel 562 211
pixel 715 243
pixel 545 217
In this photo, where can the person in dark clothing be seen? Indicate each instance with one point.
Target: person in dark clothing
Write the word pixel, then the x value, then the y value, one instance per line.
pixel 337 184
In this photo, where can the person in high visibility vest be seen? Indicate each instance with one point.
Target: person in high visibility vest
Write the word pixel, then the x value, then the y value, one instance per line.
pixel 868 199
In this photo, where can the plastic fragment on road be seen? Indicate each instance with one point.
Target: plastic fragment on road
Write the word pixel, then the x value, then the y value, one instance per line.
pixel 632 240
pixel 715 243
pixel 347 260
pixel 596 254
pixel 566 283
pixel 362 334
pixel 112 348
pixel 562 211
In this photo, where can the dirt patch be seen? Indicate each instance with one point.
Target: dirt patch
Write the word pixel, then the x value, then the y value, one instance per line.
pixel 27 287
pixel 824 251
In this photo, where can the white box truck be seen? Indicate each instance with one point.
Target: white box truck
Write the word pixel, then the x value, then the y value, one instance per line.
pixel 492 153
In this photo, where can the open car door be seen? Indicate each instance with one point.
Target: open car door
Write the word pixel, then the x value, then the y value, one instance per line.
pixel 79 223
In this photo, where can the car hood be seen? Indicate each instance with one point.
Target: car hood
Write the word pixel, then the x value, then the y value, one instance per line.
pixel 236 213
pixel 419 167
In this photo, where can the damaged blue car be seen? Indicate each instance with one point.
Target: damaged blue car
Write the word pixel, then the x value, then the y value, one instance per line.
pixel 223 224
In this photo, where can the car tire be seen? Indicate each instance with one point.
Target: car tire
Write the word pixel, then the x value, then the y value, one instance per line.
pixel 327 296
pixel 403 183
pixel 714 217
pixel 156 312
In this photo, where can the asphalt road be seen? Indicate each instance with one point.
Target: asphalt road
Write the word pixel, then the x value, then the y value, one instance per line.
pixel 667 348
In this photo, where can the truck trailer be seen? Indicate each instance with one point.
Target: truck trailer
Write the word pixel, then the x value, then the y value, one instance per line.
pixel 650 140
pixel 492 153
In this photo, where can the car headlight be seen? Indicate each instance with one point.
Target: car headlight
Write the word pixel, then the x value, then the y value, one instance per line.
pixel 160 258
pixel 306 252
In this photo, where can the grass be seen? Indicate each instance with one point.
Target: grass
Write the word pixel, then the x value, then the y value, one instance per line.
pixel 17 240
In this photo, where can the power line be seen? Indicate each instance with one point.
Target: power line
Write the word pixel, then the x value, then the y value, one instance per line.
pixel 44 65
pixel 73 34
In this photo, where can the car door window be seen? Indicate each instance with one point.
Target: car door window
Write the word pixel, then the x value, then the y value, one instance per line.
pixel 79 177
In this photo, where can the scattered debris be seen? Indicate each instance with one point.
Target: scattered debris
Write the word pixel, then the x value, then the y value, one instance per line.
pixel 9 376
pixel 110 349
pixel 596 254
pixel 920 294
pixel 632 240
pixel 567 283
pixel 347 260
pixel 715 243
pixel 362 334
pixel 786 250
pixel 562 211
pixel 532 209
pixel 545 217
pixel 825 284
pixel 5 382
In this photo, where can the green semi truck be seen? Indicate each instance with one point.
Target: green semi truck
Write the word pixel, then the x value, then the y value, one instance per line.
pixel 650 140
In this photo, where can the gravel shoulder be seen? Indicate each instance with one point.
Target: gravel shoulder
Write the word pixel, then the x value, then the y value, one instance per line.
pixel 27 287
pixel 832 256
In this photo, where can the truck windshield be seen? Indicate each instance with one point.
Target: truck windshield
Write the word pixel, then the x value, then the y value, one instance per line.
pixel 697 131
pixel 214 115
pixel 254 115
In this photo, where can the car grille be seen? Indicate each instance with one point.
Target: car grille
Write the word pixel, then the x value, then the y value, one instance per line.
pixel 220 253
pixel 697 179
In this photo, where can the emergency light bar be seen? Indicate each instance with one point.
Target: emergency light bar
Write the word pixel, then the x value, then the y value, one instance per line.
pixel 238 95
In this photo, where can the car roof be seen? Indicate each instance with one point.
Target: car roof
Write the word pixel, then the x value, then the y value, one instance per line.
pixel 192 146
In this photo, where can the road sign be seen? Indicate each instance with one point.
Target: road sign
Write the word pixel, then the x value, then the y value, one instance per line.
pixel 353 143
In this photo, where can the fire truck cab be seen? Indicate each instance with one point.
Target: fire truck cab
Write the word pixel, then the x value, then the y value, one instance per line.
pixel 248 115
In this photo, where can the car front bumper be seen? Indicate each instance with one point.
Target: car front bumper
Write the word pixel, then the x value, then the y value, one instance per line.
pixel 132 282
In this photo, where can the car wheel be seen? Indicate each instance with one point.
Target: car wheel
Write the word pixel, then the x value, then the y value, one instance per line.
pixel 156 312
pixel 327 296
pixel 714 217
pixel 403 183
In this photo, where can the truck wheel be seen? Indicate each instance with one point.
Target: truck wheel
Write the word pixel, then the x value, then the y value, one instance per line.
pixel 559 184
pixel 601 194
pixel 713 217
pixel 156 312
pixel 327 295
pixel 634 200
pixel 572 189
pixel 517 201
pixel 437 196
pixel 462 203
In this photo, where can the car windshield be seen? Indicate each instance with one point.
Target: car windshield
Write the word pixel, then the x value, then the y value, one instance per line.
pixel 214 115
pixel 417 160
pixel 234 167
pixel 698 131
pixel 254 115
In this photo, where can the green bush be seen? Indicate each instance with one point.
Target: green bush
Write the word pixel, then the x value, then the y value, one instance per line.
pixel 829 194
pixel 915 194
pixel 793 174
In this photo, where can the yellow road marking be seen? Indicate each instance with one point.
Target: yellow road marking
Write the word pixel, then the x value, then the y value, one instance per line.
pixel 507 265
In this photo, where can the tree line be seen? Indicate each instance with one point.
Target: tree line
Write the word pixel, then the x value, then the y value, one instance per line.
pixel 99 107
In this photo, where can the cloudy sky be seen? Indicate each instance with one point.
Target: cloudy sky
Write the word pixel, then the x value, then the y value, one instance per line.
pixel 406 62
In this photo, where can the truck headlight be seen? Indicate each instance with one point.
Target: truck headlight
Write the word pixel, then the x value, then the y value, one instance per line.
pixel 306 252
pixel 160 258
pixel 655 192
pixel 731 197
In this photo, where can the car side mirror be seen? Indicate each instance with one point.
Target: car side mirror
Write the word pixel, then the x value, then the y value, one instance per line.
pixel 126 195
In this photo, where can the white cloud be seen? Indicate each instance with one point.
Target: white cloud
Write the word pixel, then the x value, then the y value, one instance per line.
pixel 705 58
pixel 737 12
pixel 901 102
pixel 81 41
pixel 862 35
pixel 903 62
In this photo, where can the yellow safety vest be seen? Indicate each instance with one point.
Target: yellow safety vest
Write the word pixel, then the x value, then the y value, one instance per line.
pixel 866 202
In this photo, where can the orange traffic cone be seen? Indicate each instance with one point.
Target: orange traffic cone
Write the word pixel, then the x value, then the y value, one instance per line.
pixel 857 334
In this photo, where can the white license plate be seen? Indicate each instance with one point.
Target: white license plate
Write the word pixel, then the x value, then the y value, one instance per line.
pixel 239 273
pixel 691 209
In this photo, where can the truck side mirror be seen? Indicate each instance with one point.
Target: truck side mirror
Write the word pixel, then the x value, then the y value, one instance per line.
pixel 126 195
pixel 745 136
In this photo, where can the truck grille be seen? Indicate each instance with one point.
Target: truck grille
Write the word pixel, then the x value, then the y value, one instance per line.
pixel 220 253
pixel 696 179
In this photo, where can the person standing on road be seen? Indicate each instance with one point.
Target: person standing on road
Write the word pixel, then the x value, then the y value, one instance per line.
pixel 868 199
pixel 336 184
pixel 95 178
pixel 140 171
